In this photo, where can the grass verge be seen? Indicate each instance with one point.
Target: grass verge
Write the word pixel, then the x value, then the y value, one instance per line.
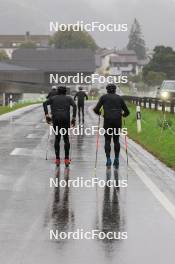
pixel 158 141
pixel 7 109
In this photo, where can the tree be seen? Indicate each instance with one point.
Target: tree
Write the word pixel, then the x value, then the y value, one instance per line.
pixel 3 55
pixel 28 45
pixel 94 92
pixel 73 39
pixel 163 61
pixel 136 41
pixel 136 78
pixel 155 78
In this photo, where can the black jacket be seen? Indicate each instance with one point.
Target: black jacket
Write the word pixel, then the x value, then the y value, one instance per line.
pixel 81 97
pixel 52 93
pixel 113 108
pixel 60 107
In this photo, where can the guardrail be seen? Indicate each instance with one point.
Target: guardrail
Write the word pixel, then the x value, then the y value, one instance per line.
pixel 152 103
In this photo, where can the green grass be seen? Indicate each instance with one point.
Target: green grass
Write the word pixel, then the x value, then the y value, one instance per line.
pixel 125 89
pixel 93 97
pixel 160 142
pixel 7 109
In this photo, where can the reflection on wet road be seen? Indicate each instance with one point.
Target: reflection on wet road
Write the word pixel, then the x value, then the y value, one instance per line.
pixel 62 215
pixel 30 208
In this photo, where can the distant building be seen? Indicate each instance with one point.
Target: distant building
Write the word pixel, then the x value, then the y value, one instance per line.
pixel 29 69
pixel 63 62
pixel 14 41
pixel 19 81
pixel 56 60
pixel 120 62
pixel 9 43
pixel 124 63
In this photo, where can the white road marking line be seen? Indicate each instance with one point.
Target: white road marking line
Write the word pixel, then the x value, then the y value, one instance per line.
pixel 22 151
pixel 32 136
pixel 159 195
pixel 27 152
pixel 16 151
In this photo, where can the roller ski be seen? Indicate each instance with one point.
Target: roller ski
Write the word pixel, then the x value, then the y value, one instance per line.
pixel 67 163
pixel 108 163
pixel 116 163
pixel 57 163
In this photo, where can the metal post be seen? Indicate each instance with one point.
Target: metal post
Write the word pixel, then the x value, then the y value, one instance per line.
pixel 163 106
pixel 139 125
pixel 156 104
pixel 11 101
pixel 3 100
pixel 150 103
pixel 172 106
pixel 140 101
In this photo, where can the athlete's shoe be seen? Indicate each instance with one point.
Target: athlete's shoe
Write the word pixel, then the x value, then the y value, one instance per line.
pixel 116 163
pixel 67 162
pixel 57 162
pixel 108 162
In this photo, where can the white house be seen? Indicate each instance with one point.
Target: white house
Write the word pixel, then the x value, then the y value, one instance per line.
pixel 120 62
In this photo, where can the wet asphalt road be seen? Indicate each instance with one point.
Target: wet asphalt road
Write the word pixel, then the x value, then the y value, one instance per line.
pixel 30 208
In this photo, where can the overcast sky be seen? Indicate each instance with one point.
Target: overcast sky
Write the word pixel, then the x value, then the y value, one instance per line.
pixel 157 18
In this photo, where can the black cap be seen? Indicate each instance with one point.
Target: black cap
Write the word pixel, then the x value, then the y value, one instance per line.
pixel 62 90
pixel 111 88
pixel 54 87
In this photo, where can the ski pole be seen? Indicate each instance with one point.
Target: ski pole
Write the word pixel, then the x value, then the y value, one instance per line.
pixel 126 144
pixel 47 148
pixel 70 145
pixel 97 144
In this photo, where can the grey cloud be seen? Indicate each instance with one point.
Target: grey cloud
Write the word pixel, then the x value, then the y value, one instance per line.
pixel 156 17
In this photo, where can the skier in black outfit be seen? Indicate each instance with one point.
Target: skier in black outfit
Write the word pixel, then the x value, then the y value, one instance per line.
pixel 60 110
pixel 114 108
pixel 53 92
pixel 81 95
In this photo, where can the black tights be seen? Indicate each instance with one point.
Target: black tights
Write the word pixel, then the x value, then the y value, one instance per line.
pixel 58 139
pixel 108 145
pixel 81 113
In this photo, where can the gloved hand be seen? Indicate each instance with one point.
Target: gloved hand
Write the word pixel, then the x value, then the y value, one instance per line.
pixel 73 121
pixel 96 112
pixel 48 119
